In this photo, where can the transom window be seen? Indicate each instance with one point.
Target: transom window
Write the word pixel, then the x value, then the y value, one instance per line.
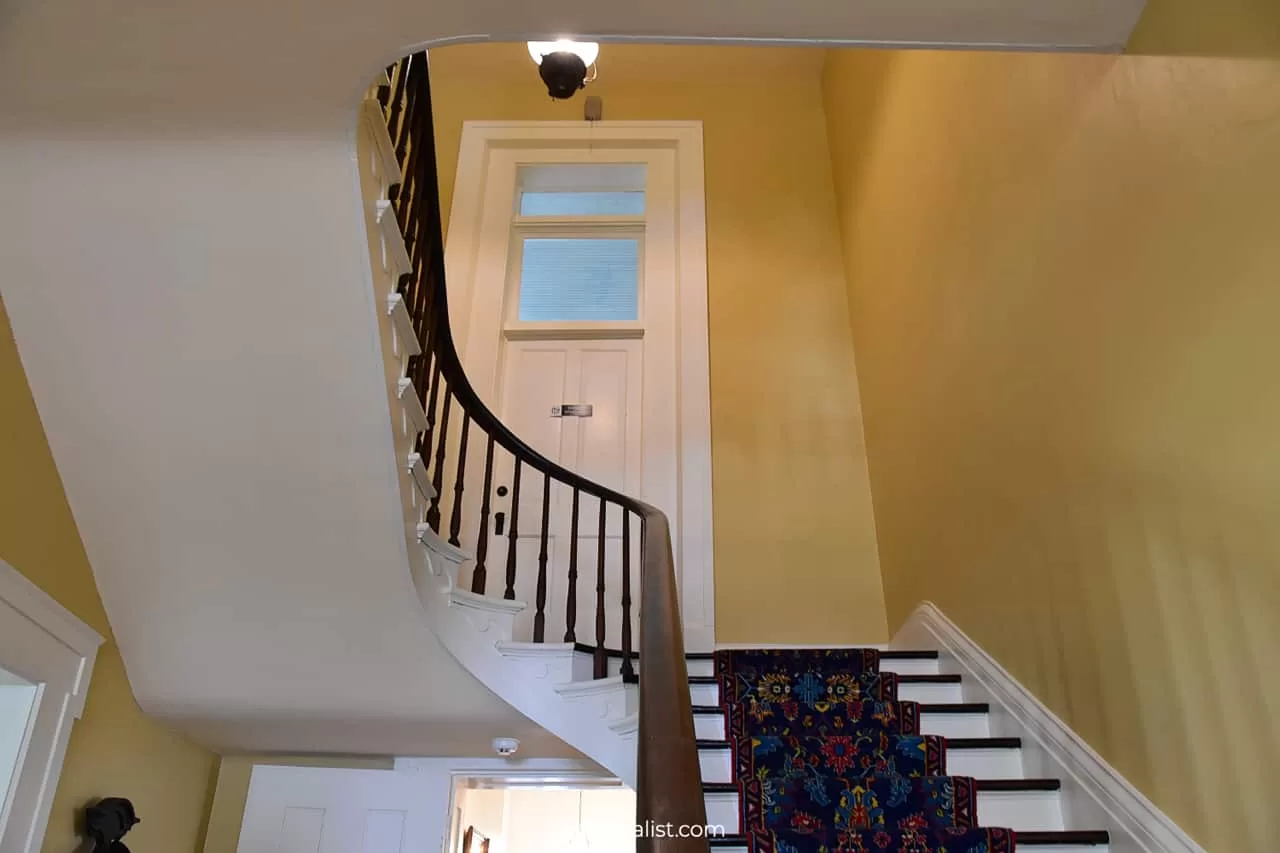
pixel 577 243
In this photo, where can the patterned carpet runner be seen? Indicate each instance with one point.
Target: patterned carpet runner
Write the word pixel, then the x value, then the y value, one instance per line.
pixel 827 760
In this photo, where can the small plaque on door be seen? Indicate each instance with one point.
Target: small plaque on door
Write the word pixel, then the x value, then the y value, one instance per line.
pixel 571 410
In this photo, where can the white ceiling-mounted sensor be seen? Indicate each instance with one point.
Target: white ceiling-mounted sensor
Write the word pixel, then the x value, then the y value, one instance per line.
pixel 505 746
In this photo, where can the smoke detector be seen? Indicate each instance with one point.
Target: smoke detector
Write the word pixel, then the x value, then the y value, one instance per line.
pixel 505 746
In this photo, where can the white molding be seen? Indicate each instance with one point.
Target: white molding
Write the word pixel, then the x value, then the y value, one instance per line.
pixel 481 140
pixel 594 687
pixel 1094 792
pixel 44 643
pixel 402 326
pixel 463 598
pixel 417 469
pixel 395 257
pixel 415 416
pixel 371 111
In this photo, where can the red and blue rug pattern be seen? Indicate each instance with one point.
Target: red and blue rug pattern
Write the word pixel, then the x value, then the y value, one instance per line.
pixel 827 760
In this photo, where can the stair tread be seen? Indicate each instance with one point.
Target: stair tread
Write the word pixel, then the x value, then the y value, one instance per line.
pixel 928 679
pixel 952 743
pixel 925 708
pixel 1090 837
pixel 703 679
pixel 989 785
pixel 613 653
pixel 908 654
pixel 955 707
pixel 984 743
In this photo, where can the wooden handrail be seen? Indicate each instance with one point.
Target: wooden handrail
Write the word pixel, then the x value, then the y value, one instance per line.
pixel 669 789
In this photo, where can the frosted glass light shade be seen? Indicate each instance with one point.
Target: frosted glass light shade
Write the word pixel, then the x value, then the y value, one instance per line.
pixel 587 51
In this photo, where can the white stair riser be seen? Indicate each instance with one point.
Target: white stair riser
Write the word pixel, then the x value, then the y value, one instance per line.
pixel 717 764
pixel 923 666
pixel 709 694
pixel 1021 811
pixel 711 726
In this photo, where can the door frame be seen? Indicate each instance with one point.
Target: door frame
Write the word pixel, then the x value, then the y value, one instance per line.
pixel 47 645
pixel 480 139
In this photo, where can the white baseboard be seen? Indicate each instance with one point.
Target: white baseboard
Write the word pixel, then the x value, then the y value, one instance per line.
pixel 1095 795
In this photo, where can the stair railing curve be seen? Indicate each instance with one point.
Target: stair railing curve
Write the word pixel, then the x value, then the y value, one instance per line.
pixel 669 792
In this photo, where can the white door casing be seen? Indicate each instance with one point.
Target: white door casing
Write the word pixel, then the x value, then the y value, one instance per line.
pixel 43 643
pixel 675 392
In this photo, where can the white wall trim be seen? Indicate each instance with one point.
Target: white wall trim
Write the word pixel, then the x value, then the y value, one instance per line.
pixel 44 643
pixel 1094 792
pixel 480 139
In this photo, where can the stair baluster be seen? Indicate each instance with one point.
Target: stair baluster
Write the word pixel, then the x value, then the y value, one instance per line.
pixel 513 534
pixel 600 661
pixel 478 575
pixel 540 602
pixel 571 601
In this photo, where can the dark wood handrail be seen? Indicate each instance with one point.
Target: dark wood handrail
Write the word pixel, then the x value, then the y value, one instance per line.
pixel 669 790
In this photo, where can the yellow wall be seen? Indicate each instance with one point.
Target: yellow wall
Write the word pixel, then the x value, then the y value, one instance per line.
pixel 1064 289
pixel 1243 28
pixel 114 749
pixel 792 505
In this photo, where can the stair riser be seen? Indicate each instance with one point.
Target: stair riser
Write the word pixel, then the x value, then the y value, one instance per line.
pixel 1023 811
pixel 926 666
pixel 711 726
pixel 717 764
pixel 709 694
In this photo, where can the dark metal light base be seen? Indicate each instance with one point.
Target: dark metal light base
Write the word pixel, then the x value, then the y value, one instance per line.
pixel 564 73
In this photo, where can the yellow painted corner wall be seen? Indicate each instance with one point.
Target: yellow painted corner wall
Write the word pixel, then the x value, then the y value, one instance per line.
pixel 1240 28
pixel 114 749
pixel 1064 288
pixel 794 536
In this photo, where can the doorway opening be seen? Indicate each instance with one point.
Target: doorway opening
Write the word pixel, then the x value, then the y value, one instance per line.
pixel 582 815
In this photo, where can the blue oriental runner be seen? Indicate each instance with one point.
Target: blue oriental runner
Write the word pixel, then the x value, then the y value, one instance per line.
pixel 827 760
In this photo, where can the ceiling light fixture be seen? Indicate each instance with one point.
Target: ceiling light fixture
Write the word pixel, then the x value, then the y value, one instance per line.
pixel 563 65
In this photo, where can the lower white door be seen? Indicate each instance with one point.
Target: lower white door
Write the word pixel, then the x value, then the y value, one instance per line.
pixel 577 402
pixel 326 810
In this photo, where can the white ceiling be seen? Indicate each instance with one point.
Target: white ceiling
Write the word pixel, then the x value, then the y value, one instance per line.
pixel 183 263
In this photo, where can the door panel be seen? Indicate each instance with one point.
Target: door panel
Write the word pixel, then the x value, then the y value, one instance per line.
pixel 327 810
pixel 605 447
pixel 609 378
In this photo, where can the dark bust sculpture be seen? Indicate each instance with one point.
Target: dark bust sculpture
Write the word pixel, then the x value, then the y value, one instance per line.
pixel 107 821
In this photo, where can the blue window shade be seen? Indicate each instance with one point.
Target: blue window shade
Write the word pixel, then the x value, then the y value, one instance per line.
pixel 581 203
pixel 579 279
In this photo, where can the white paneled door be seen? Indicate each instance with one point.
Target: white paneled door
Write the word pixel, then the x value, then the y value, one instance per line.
pixel 577 402
pixel 324 810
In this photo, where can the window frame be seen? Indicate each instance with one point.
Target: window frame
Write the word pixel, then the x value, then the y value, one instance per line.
pixel 570 227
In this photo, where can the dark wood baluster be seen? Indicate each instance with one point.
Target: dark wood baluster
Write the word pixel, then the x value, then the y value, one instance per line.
pixel 455 518
pixel 627 669
pixel 512 534
pixel 540 616
pixel 437 476
pixel 600 659
pixel 479 576
pixel 424 441
pixel 397 98
pixel 571 603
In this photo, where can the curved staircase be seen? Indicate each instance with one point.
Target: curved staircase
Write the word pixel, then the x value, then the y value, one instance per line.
pixel 467 566
pixel 671 740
